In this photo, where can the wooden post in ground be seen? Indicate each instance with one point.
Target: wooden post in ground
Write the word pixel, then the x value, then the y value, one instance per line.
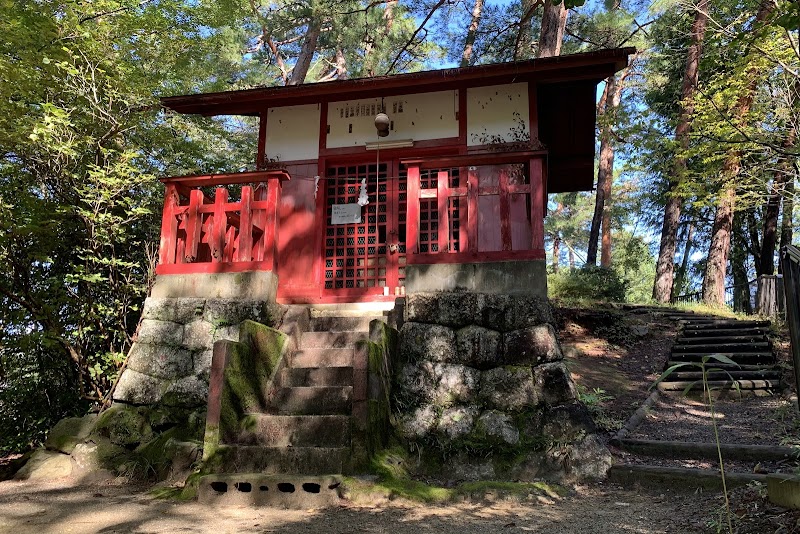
pixel 790 263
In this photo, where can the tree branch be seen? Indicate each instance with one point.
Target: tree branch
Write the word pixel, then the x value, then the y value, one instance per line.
pixel 403 50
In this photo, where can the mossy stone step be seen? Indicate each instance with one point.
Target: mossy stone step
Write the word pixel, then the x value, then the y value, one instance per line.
pixel 337 400
pixel 294 430
pixel 316 376
pixel 678 478
pixel 322 357
pixel 281 460
pixel 330 340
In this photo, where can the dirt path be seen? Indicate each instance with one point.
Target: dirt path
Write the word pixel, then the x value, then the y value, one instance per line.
pixel 27 507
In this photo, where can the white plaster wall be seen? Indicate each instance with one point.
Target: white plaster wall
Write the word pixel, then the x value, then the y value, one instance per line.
pixel 418 117
pixel 293 133
pixel 497 113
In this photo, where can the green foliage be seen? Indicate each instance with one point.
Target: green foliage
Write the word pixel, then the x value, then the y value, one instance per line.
pixel 587 283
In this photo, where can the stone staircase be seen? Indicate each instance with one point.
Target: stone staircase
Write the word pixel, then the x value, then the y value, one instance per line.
pixel 308 426
pixel 746 343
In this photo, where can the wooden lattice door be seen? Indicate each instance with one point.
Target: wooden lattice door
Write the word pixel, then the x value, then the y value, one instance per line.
pixel 366 258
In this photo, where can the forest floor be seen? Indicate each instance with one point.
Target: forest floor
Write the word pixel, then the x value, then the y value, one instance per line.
pixel 614 357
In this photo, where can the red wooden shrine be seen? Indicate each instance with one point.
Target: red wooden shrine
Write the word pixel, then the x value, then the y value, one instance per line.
pixel 462 178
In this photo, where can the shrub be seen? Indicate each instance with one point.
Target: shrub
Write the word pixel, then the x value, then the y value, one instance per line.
pixel 587 283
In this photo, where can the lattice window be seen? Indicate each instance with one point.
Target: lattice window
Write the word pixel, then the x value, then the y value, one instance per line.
pixel 355 253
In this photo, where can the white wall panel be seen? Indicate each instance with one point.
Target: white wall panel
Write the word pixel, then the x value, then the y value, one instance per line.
pixel 497 113
pixel 418 117
pixel 293 133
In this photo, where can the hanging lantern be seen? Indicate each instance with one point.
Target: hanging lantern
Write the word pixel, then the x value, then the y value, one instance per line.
pixel 382 124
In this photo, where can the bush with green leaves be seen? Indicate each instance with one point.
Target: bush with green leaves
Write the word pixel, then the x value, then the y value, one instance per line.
pixel 587 283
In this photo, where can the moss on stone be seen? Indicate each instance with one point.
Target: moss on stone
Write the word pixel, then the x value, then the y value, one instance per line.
pixel 124 426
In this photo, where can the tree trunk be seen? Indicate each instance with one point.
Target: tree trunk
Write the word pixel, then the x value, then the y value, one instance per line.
pixel 388 14
pixel 739 250
pixel 556 251
pixel 719 249
pixel 770 233
pixel 523 45
pixel 571 257
pixel 554 20
pixel 597 217
pixel 472 32
pixel 665 266
pixel 680 278
pixel 306 53
pixel 788 213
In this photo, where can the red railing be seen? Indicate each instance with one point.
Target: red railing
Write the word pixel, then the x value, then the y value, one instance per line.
pixel 204 234
pixel 476 208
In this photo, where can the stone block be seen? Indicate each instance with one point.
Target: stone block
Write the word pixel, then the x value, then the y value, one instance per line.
pixel 418 423
pixel 568 422
pixel 493 311
pixel 88 462
pixel 457 422
pixel 160 361
pixel 419 341
pixel 157 332
pixel 588 458
pixel 478 347
pixel 454 383
pixel 221 312
pixel 189 392
pixel 417 381
pixel 138 388
pixel 124 426
pixel 201 362
pixel 69 432
pixel 226 332
pixel 45 465
pixel 176 310
pixel 530 310
pixel 531 346
pixel 261 285
pixel 197 335
pixel 448 308
pixel 553 384
pixel 497 427
pixel 509 388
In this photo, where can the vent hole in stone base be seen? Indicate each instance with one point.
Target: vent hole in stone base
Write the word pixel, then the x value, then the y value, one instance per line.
pixel 285 487
pixel 263 488
pixel 244 487
pixel 310 487
pixel 334 485
pixel 219 487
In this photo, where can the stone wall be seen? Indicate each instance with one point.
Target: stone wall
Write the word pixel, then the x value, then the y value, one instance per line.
pixel 170 361
pixel 481 377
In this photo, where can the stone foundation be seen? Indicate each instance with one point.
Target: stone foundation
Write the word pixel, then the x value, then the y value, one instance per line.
pixel 483 391
pixel 170 361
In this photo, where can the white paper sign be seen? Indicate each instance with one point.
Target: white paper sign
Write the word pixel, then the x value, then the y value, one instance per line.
pixel 345 214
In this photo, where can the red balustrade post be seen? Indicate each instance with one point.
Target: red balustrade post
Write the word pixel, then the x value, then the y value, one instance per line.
pixel 443 234
pixel 274 187
pixel 194 225
pixel 246 225
pixel 220 225
pixel 537 204
pixel 169 226
pixel 412 216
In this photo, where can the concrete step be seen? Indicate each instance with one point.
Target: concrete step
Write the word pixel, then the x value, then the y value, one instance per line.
pixel 295 430
pixel 734 385
pixel 727 323
pixel 722 347
pixel 320 357
pixel 713 364
pixel 678 478
pixel 696 340
pixel 343 324
pixel 713 332
pixel 742 358
pixel 282 460
pixel 724 375
pixel 330 340
pixel 316 376
pixel 276 491
pixel 311 401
